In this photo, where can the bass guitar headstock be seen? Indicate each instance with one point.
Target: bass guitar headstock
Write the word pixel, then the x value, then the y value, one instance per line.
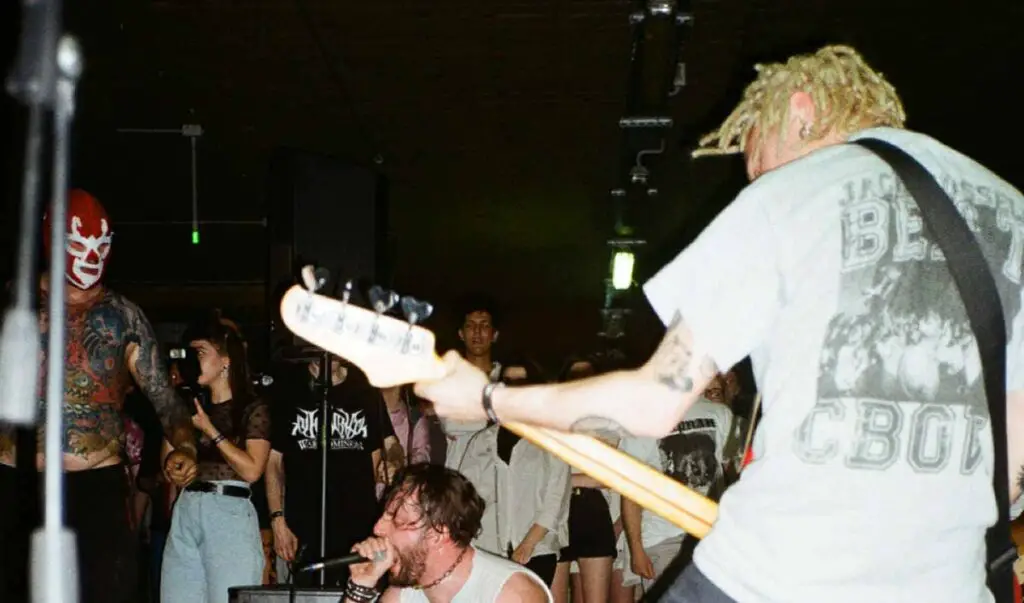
pixel 390 351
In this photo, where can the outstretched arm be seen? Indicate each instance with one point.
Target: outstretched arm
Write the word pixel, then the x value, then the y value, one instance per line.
pixel 648 401
pixel 151 375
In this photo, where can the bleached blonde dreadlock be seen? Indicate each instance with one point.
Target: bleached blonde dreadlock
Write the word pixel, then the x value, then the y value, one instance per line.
pixel 848 94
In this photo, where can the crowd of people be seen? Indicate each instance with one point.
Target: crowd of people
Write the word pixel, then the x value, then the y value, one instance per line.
pixel 873 471
pixel 186 481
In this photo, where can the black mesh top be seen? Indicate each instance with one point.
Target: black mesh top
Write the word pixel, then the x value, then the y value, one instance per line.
pixel 254 425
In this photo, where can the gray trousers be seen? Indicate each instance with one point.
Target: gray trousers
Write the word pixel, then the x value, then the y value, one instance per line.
pixel 214 544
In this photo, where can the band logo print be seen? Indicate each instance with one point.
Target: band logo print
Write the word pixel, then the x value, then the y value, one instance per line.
pixel 688 454
pixel 348 430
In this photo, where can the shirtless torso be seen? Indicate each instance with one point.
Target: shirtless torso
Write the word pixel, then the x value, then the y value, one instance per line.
pixel 109 344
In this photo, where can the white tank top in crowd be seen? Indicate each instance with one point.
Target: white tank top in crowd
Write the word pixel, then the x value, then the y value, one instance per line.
pixel 486 579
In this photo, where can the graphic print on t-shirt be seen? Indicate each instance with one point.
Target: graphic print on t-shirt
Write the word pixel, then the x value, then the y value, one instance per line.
pixel 689 454
pixel 348 430
pixel 900 378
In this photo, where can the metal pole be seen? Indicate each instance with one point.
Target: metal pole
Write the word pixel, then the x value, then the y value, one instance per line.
pixel 326 380
pixel 192 131
pixel 148 130
pixel 19 339
pixel 195 193
pixel 54 564
pixel 121 223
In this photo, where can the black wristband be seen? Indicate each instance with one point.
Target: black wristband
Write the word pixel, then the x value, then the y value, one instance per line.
pixel 220 438
pixel 276 514
pixel 359 593
pixel 488 403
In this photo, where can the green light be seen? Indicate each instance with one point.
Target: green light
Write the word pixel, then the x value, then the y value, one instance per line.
pixel 195 237
pixel 622 270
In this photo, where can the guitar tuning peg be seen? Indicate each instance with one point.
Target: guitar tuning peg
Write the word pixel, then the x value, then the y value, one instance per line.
pixel 416 311
pixel 382 300
pixel 346 294
pixel 313 278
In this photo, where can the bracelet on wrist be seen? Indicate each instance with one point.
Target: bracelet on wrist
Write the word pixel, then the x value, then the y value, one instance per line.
pixel 359 593
pixel 276 514
pixel 488 403
pixel 220 438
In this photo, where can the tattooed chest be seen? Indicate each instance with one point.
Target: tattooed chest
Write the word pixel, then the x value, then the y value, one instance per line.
pixel 95 371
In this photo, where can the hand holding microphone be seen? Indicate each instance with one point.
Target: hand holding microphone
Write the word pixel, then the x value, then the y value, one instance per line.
pixel 380 555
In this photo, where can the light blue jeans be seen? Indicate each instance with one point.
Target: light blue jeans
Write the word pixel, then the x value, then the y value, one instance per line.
pixel 214 544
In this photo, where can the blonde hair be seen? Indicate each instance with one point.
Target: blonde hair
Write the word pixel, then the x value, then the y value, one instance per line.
pixel 849 96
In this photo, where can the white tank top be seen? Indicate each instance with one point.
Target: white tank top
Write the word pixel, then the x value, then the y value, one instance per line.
pixel 486 579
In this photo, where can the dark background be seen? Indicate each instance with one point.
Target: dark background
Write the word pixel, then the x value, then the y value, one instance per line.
pixel 495 123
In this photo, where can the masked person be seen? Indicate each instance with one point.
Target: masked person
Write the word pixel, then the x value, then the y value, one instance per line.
pixel 109 343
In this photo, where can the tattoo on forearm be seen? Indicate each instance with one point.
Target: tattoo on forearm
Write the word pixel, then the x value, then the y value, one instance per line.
pixel 154 381
pixel 600 427
pixel 673 358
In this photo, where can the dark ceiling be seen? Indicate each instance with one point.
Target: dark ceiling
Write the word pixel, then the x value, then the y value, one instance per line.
pixel 496 123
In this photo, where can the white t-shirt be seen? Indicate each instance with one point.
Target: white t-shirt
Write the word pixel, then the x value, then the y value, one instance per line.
pixel 874 457
pixel 692 454
pixel 486 580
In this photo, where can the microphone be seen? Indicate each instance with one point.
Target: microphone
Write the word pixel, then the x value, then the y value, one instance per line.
pixel 350 559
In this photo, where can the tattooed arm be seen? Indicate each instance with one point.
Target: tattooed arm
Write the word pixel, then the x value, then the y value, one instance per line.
pixel 150 373
pixel 648 401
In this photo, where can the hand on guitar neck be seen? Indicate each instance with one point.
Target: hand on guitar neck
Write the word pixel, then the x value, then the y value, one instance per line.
pixel 394 352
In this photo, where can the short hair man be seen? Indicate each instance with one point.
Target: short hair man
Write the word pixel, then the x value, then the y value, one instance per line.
pixel 423 543
pixel 471 445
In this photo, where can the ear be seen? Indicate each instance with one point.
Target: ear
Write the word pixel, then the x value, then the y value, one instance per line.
pixel 437 536
pixel 462 337
pixel 494 337
pixel 801 111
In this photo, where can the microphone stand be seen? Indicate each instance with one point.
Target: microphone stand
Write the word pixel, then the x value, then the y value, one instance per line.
pixel 45 77
pixel 325 440
pixel 292 567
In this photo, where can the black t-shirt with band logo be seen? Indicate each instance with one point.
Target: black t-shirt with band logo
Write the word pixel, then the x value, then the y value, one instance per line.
pixel 357 424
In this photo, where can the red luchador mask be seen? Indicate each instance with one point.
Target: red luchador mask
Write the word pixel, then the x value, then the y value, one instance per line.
pixel 87 242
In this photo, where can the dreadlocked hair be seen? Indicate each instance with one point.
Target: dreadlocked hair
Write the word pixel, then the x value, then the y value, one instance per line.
pixel 849 96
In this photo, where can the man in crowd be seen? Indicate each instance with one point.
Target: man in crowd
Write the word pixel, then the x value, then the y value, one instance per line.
pixel 109 344
pixel 422 542
pixel 873 477
pixel 472 445
pixel 363 456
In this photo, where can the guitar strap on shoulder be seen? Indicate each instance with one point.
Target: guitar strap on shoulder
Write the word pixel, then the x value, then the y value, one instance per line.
pixel 973 277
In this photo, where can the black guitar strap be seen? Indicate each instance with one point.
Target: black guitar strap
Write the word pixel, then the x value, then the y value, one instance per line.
pixel 973 277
